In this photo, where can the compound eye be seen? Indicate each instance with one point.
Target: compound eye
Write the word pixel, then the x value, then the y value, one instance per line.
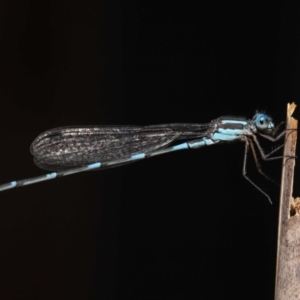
pixel 263 122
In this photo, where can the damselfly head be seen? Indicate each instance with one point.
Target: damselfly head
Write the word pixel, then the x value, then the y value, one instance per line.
pixel 263 123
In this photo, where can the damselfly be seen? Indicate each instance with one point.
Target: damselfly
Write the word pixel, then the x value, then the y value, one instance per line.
pixel 69 150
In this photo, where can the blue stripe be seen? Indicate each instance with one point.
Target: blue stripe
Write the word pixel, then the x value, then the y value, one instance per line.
pixel 138 156
pixel 51 175
pixel 234 122
pixel 223 137
pixel 181 146
pixel 94 166
pixel 13 183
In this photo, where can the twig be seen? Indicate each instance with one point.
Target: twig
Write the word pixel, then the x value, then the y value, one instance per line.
pixel 288 242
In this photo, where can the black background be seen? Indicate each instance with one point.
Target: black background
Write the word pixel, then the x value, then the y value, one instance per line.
pixel 185 225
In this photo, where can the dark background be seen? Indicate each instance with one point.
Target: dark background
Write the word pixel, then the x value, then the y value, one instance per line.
pixel 185 225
